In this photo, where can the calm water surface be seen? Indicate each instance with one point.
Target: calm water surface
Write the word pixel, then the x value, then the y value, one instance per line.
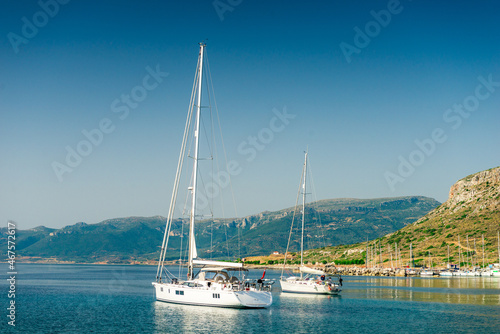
pixel 120 299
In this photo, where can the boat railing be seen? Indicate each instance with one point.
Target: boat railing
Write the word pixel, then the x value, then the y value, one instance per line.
pixel 257 284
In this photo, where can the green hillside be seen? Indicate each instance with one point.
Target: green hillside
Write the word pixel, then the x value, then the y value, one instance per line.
pixel 471 213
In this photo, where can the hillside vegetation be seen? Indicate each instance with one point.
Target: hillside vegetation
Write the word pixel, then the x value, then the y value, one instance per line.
pixel 471 213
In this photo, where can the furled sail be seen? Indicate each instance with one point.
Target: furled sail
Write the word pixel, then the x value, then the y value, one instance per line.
pixel 194 253
pixel 308 270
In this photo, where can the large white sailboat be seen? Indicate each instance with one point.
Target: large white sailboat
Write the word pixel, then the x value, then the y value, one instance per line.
pixel 209 283
pixel 310 281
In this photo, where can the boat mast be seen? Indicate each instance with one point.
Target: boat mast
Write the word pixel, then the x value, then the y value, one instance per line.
pixel 396 253
pixel 366 252
pixel 449 257
pixel 468 263
pixel 498 237
pixel 380 253
pixel 475 261
pixel 459 255
pixel 482 236
pixel 192 245
pixel 390 253
pixel 412 257
pixel 303 214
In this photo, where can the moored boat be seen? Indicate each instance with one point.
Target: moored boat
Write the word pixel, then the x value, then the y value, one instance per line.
pixel 209 283
pixel 310 281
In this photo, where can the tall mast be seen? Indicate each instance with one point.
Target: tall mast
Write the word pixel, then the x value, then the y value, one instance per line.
pixel 459 254
pixel 390 253
pixel 303 214
pixel 380 253
pixel 498 237
pixel 474 258
pixel 192 245
pixel 468 263
pixel 396 253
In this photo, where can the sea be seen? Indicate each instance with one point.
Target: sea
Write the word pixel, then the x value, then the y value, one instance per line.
pixel 58 298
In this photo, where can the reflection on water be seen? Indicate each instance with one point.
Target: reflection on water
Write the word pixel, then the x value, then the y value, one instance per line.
pixel 474 290
pixel 111 299
pixel 188 318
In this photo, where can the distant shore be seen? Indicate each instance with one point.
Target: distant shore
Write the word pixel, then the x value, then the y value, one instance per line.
pixel 350 270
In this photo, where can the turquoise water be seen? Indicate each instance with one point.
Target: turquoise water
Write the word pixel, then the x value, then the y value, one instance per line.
pixel 120 299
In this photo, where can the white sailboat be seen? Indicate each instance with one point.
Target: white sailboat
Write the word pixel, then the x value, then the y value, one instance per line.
pixel 209 283
pixel 310 281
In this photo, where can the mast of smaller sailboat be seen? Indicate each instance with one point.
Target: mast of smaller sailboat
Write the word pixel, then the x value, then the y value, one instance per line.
pixel 192 244
pixel 498 238
pixel 303 214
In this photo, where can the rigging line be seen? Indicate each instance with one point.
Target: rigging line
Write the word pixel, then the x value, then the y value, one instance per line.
pixel 222 139
pixel 173 199
pixel 293 219
pixel 316 207
pixel 205 132
pixel 213 150
pixel 227 243
pixel 210 209
pixel 225 155
pixel 212 168
pixel 180 248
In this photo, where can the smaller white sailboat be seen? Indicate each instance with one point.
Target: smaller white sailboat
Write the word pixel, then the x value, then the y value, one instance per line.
pixel 310 281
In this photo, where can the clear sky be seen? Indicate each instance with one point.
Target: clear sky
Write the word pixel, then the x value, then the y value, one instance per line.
pixel 391 98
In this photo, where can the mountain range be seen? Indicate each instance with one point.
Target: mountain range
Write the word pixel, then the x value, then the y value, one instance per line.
pixel 126 240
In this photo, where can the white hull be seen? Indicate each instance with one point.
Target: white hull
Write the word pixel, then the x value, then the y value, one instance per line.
pixel 446 273
pixel 218 295
pixel 310 287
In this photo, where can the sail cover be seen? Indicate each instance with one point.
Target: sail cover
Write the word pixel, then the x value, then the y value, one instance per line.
pixel 194 253
pixel 307 270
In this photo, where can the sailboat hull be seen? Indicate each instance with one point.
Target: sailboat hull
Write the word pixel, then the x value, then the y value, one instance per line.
pixel 308 287
pixel 216 296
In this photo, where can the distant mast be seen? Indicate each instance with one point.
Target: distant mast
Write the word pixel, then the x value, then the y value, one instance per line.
pixel 482 236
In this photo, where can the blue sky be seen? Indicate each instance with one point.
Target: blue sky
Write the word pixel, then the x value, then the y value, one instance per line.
pixel 361 114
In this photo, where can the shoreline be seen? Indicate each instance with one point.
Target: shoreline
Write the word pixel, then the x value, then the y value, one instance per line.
pixel 329 269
